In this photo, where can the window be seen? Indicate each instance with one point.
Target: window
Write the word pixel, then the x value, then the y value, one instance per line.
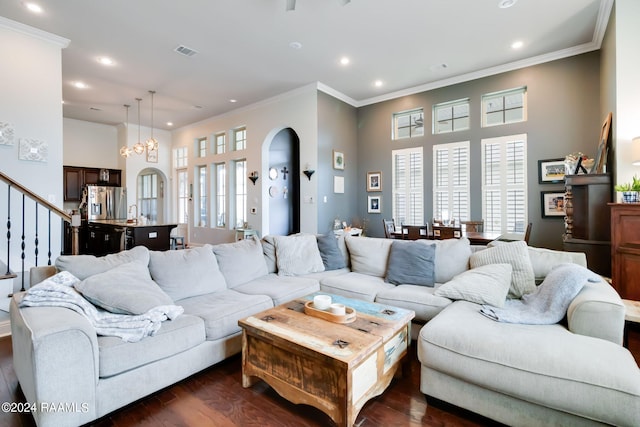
pixel 240 139
pixel 504 184
pixel 407 186
pixel 504 107
pixel 180 157
pixel 451 116
pixel 201 147
pixel 202 210
pixel 221 194
pixel 183 195
pixel 221 142
pixel 408 124
pixel 241 193
pixel 148 195
pixel 451 195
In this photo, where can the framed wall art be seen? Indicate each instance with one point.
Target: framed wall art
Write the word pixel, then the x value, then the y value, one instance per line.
pixel 338 160
pixel 152 156
pixel 374 181
pixel 6 133
pixel 551 171
pixel 374 204
pixel 33 149
pixel 552 204
pixel 338 184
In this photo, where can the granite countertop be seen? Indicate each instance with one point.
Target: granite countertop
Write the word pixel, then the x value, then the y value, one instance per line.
pixel 125 223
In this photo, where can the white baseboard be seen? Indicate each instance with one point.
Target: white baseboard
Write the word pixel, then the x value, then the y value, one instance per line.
pixel 5 328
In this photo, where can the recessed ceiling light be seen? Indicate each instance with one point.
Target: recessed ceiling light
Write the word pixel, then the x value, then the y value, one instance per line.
pixel 233 100
pixel 378 83
pixel 80 85
pixel 169 123
pixel 517 45
pixel 295 45
pixel 503 4
pixel 345 60
pixel 33 7
pixel 105 60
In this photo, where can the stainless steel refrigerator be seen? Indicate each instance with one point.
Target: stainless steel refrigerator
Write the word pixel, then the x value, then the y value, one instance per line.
pixel 106 202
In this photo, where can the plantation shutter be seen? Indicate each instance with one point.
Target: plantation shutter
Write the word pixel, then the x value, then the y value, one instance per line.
pixel 451 180
pixel 407 170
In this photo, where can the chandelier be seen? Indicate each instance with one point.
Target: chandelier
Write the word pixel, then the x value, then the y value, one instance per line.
pixel 150 144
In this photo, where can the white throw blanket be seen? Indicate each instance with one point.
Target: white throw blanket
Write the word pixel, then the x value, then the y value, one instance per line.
pixel 548 304
pixel 59 292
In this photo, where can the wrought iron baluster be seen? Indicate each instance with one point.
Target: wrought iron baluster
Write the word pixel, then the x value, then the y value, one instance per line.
pixel 23 245
pixel 35 251
pixel 49 231
pixel 8 228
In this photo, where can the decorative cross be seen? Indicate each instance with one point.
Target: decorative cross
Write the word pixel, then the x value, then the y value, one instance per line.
pixel 284 171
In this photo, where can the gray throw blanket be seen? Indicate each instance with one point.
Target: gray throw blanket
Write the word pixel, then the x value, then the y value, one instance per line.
pixel 548 304
pixel 58 291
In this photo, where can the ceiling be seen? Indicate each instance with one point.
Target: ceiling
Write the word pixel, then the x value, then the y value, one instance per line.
pixel 244 48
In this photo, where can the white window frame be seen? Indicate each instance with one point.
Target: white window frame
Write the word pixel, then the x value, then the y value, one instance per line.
pixel 182 178
pixel 408 120
pixel 240 192
pixel 451 181
pixel 220 197
pixel 408 190
pixel 506 179
pixel 202 180
pixel 451 116
pixel 504 103
pixel 240 143
pixel 201 147
pixel 220 142
pixel 180 157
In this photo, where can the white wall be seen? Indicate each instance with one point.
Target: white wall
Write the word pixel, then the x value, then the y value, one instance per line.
pixel 90 144
pixel 627 86
pixel 31 88
pixel 296 109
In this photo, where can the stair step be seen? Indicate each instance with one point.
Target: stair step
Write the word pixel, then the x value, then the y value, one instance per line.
pixel 8 276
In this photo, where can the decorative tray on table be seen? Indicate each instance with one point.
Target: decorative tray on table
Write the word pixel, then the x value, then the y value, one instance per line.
pixel 348 317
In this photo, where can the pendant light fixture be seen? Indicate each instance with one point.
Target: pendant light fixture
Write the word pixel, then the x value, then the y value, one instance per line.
pixel 138 148
pixel 152 143
pixel 125 151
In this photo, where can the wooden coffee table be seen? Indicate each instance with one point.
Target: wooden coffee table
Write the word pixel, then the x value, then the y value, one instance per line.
pixel 334 367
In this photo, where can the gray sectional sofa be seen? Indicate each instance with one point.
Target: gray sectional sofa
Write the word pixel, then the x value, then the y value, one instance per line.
pixel 570 372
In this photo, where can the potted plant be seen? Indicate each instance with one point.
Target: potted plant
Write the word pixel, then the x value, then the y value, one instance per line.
pixel 629 190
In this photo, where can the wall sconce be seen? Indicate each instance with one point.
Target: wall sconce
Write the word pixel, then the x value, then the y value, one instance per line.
pixel 308 172
pixel 635 151
pixel 253 176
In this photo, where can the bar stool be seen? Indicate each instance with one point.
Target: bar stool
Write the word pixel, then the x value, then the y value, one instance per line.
pixel 177 242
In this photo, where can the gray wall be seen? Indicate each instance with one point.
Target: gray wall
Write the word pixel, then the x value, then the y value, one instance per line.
pixel 337 130
pixel 564 116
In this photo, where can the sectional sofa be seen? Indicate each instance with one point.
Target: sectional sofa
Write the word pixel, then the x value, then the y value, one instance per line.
pixel 516 374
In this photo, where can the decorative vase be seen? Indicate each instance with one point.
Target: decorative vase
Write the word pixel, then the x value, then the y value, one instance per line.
pixel 629 197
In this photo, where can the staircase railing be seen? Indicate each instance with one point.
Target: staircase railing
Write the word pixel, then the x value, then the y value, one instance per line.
pixel 40 205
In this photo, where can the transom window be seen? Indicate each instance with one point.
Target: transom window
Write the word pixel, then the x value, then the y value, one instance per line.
pixel 504 183
pixel 180 157
pixel 504 107
pixel 451 116
pixel 201 147
pixel 451 182
pixel 221 142
pixel 408 124
pixel 240 138
pixel 407 185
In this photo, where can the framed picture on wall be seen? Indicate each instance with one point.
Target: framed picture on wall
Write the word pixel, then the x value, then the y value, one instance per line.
pixel 374 204
pixel 552 204
pixel 550 171
pixel 374 181
pixel 338 160
pixel 338 184
pixel 152 156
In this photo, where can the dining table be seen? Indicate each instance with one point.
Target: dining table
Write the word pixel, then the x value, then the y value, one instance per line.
pixel 475 237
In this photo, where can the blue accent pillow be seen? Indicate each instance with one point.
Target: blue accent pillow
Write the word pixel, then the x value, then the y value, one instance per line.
pixel 330 253
pixel 411 262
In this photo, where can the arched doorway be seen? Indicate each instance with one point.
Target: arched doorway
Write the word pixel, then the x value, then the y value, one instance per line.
pixel 150 195
pixel 283 182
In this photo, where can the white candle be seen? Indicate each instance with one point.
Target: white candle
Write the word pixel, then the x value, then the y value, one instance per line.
pixel 322 302
pixel 338 309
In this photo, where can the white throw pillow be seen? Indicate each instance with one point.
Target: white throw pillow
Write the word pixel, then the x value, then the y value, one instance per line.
pixel 452 258
pixel 83 266
pixel 241 262
pixel 488 284
pixel 297 254
pixel 516 254
pixel 369 255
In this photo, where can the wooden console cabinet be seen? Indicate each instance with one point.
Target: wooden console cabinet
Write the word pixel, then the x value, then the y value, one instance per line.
pixel 587 219
pixel 625 249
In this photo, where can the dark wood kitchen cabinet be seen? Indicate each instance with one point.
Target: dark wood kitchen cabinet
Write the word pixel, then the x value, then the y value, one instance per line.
pixel 75 178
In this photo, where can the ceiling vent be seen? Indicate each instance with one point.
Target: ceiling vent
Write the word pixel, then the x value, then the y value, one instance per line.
pixel 183 50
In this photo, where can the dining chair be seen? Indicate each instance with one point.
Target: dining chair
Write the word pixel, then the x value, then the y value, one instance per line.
pixel 476 226
pixel 441 232
pixel 411 232
pixel 389 227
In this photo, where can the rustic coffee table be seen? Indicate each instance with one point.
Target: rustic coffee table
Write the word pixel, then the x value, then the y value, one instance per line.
pixel 334 367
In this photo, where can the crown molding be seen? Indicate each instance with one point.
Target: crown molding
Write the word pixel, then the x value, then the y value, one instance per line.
pixel 34 32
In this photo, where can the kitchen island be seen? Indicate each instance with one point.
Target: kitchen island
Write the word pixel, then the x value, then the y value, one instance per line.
pixel 110 236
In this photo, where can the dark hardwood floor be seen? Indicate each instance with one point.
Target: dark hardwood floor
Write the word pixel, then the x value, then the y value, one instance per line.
pixel 215 397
